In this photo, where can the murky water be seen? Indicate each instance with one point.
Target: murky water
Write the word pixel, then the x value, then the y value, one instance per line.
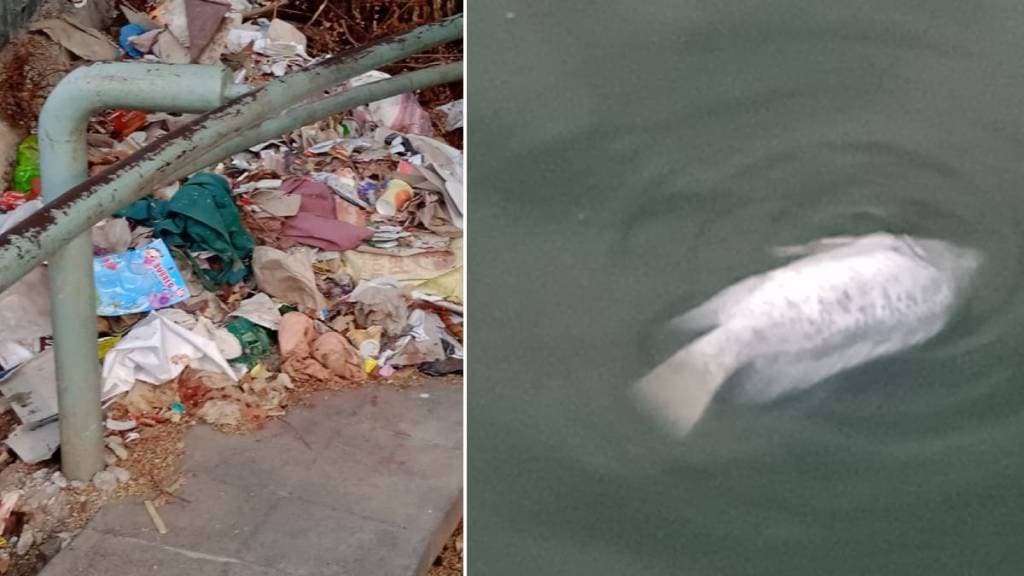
pixel 627 160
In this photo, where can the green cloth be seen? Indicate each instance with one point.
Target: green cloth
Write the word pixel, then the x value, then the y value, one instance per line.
pixel 201 216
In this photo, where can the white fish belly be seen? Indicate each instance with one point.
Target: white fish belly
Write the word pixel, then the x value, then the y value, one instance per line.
pixel 814 319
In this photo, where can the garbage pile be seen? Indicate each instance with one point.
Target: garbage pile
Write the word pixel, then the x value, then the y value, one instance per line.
pixel 326 258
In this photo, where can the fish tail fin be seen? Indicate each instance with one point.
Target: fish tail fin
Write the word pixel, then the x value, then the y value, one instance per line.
pixel 679 390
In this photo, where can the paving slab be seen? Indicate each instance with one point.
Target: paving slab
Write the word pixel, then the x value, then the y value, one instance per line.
pixel 367 481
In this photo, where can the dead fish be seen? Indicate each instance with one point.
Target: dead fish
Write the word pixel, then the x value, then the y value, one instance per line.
pixel 845 302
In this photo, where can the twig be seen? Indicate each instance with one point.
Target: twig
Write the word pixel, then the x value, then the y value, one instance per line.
pixel 344 29
pixel 173 486
pixel 169 490
pixel 256 12
pixel 391 21
pixel 155 517
pixel 297 433
pixel 316 14
pixel 166 492
pixel 345 17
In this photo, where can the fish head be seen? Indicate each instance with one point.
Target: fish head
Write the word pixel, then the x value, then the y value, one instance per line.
pixel 959 263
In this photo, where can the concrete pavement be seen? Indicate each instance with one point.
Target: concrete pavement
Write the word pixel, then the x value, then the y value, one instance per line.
pixel 377 491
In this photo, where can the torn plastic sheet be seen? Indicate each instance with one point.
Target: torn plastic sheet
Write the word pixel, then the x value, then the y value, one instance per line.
pixel 156 351
pixel 25 308
pixel 453 115
pixel 84 42
pixel 381 302
pixel 33 445
pixel 437 301
pixel 242 36
pixel 325 146
pixel 343 188
pixel 443 167
pixel 402 113
pixel 12 355
pixel 10 219
pixel 264 184
pixel 447 286
pixel 427 341
pixel 278 39
pixel 112 235
pixel 32 390
pixel 260 310
pixel 201 326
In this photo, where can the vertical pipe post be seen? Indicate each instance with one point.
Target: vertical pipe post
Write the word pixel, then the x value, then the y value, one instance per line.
pixel 63 158
pixel 73 305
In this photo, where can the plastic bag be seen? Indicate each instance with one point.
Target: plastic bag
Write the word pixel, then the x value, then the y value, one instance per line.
pixel 27 168
pixel 254 339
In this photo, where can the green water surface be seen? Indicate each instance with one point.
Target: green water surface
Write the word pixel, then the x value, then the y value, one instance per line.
pixel 629 159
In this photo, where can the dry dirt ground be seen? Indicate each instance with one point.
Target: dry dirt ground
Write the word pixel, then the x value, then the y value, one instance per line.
pixel 449 562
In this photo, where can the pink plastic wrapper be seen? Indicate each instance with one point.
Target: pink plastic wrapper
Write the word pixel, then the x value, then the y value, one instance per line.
pixel 325 233
pixel 401 113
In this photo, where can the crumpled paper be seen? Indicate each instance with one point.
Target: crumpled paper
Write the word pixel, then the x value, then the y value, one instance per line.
pixel 84 42
pixel 427 341
pixel 406 269
pixel 279 40
pixel 447 286
pixel 442 166
pixel 309 355
pixel 156 351
pixel 453 115
pixel 260 310
pixel 381 302
pixel 25 307
pixel 287 276
pixel 112 235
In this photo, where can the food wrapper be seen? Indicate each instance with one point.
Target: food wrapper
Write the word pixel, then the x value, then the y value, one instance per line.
pixel 138 281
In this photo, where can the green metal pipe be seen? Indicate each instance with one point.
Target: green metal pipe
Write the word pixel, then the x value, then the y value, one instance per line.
pixel 63 159
pixel 310 112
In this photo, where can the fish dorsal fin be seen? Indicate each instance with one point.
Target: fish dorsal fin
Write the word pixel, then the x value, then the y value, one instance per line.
pixel 819 246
